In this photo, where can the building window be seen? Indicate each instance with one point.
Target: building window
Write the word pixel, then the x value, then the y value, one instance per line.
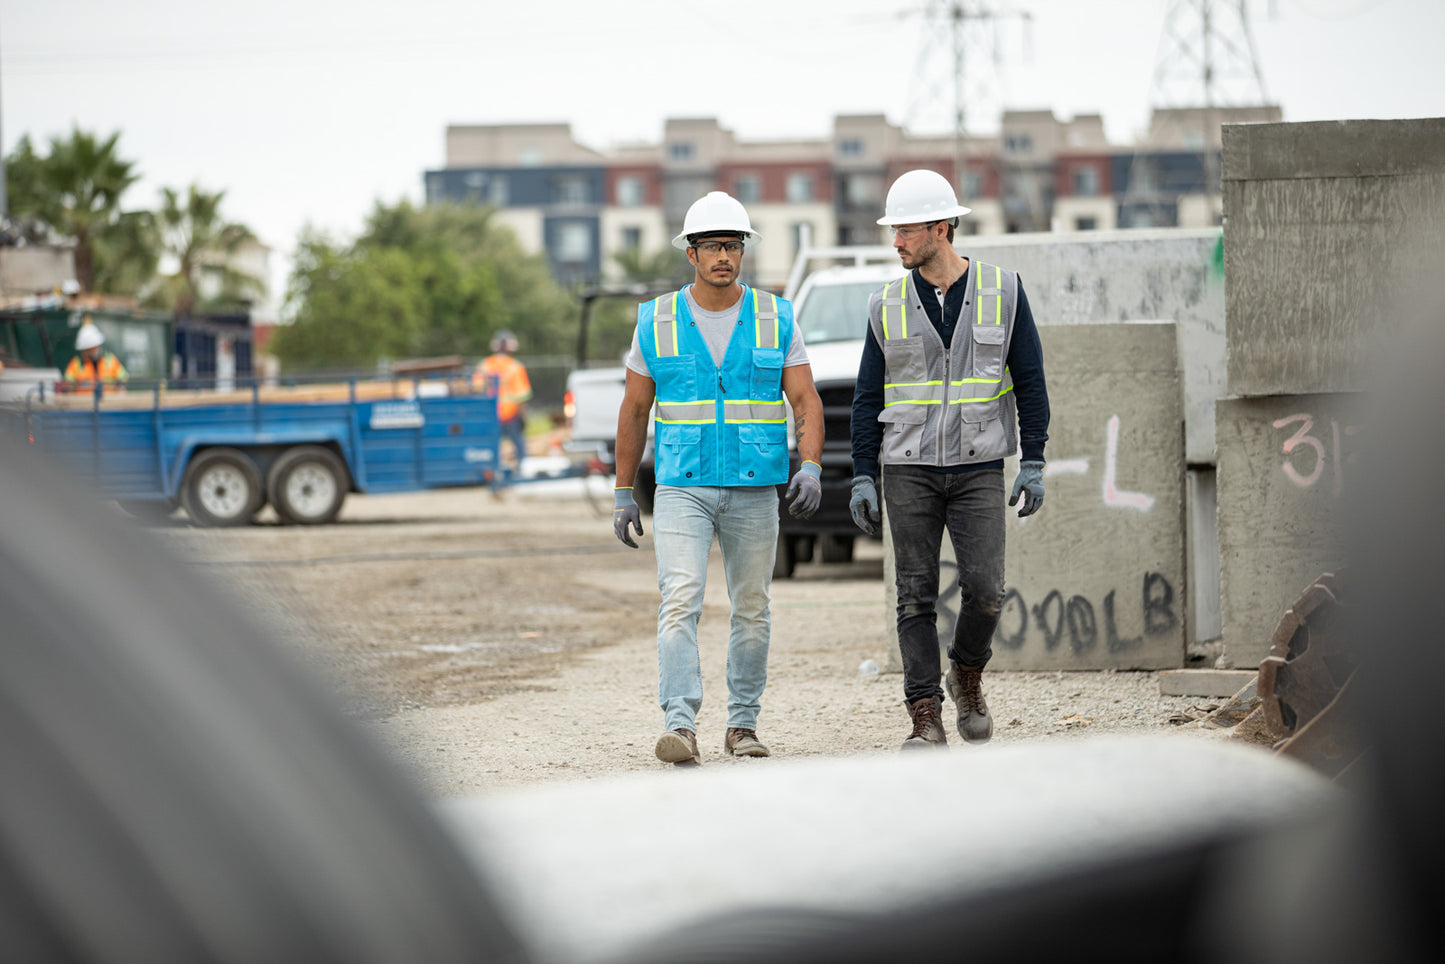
pixel 530 157
pixel 1086 224
pixel 631 192
pixel 747 188
pixel 680 150
pixel 972 184
pixel 497 192
pixel 570 189
pixel 800 188
pixel 1018 143
pixel 966 226
pixel 632 239
pixel 862 190
pixel 574 242
pixel 435 188
pixel 850 147
pixel 798 230
pixel 1086 182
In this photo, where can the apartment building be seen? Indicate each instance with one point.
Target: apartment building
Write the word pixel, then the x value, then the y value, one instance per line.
pixel 1039 173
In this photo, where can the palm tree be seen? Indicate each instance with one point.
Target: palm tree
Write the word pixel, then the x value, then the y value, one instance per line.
pixel 202 244
pixel 76 190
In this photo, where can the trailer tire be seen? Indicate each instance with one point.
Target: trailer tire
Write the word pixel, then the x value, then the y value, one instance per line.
pixel 222 488
pixel 785 559
pixel 644 489
pixel 834 548
pixel 307 485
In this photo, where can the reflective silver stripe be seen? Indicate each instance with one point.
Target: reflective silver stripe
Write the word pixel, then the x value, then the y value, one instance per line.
pixel 687 413
pixel 900 302
pixel 740 410
pixel 766 320
pixel 988 300
pixel 664 324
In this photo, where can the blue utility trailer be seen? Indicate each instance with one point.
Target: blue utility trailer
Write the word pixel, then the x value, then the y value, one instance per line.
pixel 224 455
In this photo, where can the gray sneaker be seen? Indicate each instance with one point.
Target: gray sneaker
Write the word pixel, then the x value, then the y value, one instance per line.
pixel 679 747
pixel 927 726
pixel 965 685
pixel 740 742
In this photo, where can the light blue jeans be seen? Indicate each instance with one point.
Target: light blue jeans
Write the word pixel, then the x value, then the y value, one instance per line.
pixel 685 520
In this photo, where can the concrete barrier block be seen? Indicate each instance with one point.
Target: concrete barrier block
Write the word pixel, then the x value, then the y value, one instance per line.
pixel 1285 468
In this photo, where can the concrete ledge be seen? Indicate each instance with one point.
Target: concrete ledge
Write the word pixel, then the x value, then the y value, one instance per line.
pixel 1204 682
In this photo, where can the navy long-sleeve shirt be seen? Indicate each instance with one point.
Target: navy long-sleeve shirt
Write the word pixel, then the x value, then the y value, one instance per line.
pixel 1025 364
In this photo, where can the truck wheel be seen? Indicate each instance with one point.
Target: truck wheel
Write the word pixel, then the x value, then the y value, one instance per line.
pixel 835 548
pixel 307 484
pixel 785 560
pixel 643 489
pixel 222 488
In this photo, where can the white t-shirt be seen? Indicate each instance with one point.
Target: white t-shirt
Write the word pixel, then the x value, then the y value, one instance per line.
pixel 716 328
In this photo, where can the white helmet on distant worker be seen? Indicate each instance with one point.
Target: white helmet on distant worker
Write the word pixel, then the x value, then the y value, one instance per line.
pixel 716 211
pixel 919 196
pixel 89 336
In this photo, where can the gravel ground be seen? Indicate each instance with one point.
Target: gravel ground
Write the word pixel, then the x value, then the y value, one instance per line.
pixel 496 643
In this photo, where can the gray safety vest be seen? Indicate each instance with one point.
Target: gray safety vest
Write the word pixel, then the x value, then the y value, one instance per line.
pixel 947 407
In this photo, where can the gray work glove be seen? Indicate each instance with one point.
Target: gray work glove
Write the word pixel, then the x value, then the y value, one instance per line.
pixel 625 513
pixel 805 492
pixel 867 514
pixel 1031 482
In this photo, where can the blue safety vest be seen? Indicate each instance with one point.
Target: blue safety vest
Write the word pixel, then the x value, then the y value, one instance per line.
pixel 718 426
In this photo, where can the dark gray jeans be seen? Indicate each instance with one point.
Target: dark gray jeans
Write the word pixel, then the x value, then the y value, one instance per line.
pixel 921 504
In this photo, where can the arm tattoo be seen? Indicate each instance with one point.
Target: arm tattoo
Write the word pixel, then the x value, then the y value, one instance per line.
pixel 801 424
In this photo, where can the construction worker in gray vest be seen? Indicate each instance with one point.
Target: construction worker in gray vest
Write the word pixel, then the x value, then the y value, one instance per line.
pixel 718 358
pixel 950 383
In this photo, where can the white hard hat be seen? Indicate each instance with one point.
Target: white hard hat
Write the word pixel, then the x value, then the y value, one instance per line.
pixel 919 196
pixel 715 211
pixel 89 336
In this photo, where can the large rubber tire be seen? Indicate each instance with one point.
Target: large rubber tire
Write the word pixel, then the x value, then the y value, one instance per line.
pixel 835 548
pixel 222 488
pixel 644 489
pixel 307 485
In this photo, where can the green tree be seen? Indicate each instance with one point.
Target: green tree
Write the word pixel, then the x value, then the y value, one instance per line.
pixel 203 244
pixel 76 191
pixel 419 282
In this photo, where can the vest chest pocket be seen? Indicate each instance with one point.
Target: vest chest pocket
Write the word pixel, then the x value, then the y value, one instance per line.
pixel 988 350
pixel 902 433
pixel 767 374
pixel 675 376
pixel 905 360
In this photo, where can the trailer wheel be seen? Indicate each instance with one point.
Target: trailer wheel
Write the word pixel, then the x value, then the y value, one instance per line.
pixel 307 484
pixel 785 560
pixel 835 548
pixel 222 488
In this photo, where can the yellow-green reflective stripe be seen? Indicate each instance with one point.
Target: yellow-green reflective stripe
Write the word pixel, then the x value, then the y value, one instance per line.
pixel 990 398
pixel 758 319
pixel 998 298
pixel 886 288
pixel 686 421
pixel 903 306
pixel 918 384
pixel 914 401
pixel 664 327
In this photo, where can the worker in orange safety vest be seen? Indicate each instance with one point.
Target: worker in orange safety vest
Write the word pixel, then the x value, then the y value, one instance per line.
pixel 514 389
pixel 92 363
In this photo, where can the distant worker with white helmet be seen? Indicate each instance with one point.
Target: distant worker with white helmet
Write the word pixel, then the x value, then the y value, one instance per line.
pixel 92 364
pixel 950 383
pixel 514 389
pixel 718 357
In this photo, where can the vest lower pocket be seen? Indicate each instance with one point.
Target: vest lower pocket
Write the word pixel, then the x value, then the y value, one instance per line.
pixel 902 432
pixel 678 451
pixel 762 454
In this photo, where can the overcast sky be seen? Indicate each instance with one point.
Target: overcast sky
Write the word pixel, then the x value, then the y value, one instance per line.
pixel 307 111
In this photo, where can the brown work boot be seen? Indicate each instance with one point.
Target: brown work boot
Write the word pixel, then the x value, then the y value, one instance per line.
pixel 965 685
pixel 679 747
pixel 740 742
pixel 927 716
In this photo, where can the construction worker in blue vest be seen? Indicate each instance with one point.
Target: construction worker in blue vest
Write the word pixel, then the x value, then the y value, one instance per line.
pixel 718 358
pixel 950 383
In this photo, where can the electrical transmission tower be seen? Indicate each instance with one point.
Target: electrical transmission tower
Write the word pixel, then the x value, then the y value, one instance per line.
pixel 972 30
pixel 1206 61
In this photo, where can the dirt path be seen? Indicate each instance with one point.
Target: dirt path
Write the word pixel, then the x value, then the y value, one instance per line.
pixel 496 643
